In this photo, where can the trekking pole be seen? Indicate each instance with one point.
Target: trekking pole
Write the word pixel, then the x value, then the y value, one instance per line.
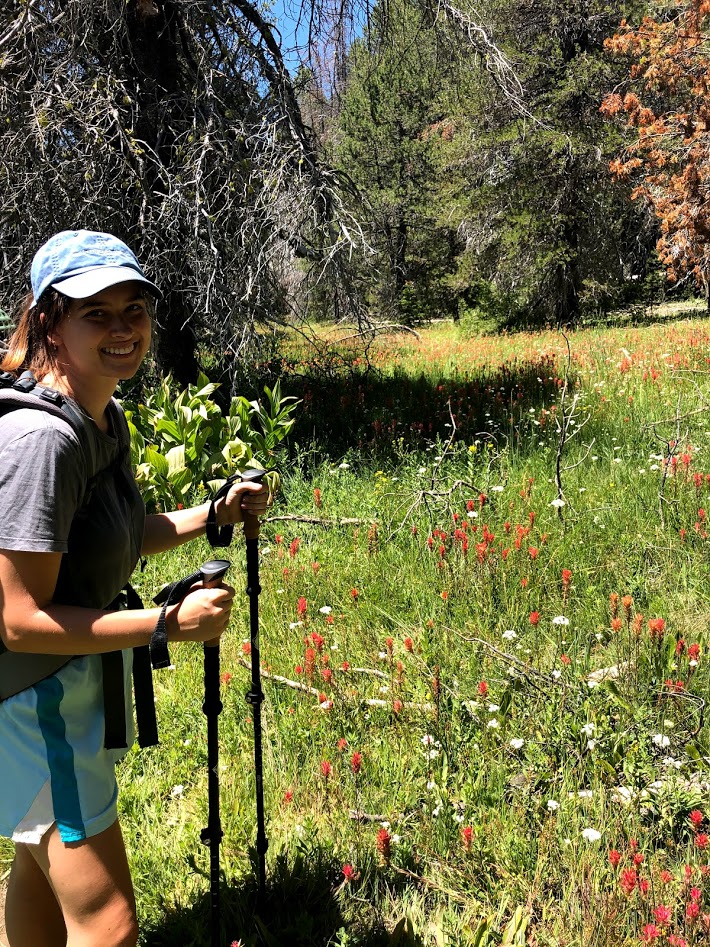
pixel 212 573
pixel 255 697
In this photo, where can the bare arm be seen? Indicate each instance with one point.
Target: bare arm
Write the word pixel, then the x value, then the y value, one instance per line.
pixel 30 622
pixel 165 531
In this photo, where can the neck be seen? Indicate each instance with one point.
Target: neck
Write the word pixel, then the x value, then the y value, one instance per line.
pixel 92 396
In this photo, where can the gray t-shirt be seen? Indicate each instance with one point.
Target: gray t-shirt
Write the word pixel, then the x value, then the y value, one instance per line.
pixel 50 503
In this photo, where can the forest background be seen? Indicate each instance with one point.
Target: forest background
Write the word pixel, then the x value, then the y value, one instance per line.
pixel 422 162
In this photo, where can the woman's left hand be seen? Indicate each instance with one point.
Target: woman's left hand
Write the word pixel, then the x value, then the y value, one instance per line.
pixel 250 498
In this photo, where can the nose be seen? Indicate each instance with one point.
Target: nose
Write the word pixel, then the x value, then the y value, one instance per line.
pixel 120 325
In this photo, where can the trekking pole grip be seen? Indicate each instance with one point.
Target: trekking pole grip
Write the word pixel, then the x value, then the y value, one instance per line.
pixel 212 573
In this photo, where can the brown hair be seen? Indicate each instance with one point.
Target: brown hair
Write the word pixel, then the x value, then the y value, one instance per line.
pixel 29 346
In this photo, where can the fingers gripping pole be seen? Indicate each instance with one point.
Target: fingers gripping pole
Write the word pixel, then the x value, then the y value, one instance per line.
pixel 212 573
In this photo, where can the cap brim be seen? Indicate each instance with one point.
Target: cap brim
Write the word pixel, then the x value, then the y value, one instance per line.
pixel 93 281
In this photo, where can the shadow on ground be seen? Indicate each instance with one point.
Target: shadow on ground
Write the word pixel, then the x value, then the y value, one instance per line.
pixel 344 408
pixel 301 907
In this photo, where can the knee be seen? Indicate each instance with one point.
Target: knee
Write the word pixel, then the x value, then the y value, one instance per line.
pixel 114 925
pixel 120 928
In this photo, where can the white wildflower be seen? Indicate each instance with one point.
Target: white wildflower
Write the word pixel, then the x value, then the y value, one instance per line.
pixel 553 805
pixel 509 635
pixel 560 620
pixel 591 835
pixel 325 609
pixel 660 739
pixel 517 743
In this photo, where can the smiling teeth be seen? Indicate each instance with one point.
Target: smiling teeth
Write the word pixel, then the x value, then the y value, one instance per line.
pixel 121 351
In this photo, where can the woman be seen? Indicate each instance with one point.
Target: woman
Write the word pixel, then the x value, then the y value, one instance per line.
pixel 86 328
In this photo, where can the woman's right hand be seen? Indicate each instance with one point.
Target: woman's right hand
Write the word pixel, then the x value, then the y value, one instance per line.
pixel 202 615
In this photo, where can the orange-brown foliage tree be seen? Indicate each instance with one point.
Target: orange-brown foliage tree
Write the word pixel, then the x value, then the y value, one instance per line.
pixel 666 107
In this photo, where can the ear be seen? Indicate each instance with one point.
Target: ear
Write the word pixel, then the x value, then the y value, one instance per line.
pixel 55 338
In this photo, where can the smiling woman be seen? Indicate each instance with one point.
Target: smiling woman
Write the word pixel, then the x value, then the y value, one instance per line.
pixel 72 528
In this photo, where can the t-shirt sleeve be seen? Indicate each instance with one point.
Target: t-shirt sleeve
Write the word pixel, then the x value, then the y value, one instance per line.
pixel 42 479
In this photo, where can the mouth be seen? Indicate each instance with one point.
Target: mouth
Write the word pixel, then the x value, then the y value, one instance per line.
pixel 120 351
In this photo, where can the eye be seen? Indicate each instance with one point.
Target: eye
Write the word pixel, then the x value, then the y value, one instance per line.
pixel 96 315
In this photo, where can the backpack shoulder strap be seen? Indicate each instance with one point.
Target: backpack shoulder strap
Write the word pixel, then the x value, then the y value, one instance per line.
pixel 26 392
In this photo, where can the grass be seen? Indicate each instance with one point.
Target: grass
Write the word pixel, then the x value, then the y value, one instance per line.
pixel 447 621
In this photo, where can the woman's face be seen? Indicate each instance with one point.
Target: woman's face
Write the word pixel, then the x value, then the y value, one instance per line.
pixel 106 335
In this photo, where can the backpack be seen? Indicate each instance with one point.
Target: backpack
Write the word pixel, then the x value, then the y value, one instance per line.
pixel 18 671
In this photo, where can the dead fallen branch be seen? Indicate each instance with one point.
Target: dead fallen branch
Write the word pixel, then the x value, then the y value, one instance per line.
pixel 315 520
pixel 307 689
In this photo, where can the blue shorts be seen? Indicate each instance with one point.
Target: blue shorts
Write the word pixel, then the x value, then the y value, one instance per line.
pixel 52 756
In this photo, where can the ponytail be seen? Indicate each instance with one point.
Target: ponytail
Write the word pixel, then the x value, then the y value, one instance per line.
pixel 29 347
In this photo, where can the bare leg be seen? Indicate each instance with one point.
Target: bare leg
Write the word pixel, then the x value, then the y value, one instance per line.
pixel 92 885
pixel 33 917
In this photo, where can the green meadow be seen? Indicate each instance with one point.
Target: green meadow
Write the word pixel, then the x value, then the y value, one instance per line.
pixel 484 628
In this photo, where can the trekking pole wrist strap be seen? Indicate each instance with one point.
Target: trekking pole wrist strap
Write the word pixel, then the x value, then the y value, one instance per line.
pixel 170 595
pixel 220 536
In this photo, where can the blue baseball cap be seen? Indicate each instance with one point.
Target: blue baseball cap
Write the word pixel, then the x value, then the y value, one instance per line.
pixel 81 263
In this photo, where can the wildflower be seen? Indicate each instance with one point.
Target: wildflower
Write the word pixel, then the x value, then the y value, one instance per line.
pixel 493 724
pixel 246 647
pixel 627 601
pixel 695 894
pixel 354 594
pixel 317 497
pixel 397 706
pixel 560 620
pixel 696 817
pixel 694 652
pixel 302 607
pixel 408 645
pixel 660 739
pixel 389 644
pixel 177 791
pixel 348 872
pixel 534 618
pixel 509 635
pixel 666 877
pixel 591 835
pixel 702 840
pixel 663 915
pixel 614 858
pixel 345 666
pixel 692 910
pixel 326 769
pixel 637 624
pixel 616 624
pixel 656 628
pixel 588 729
pixel 384 845
pixel 444 595
pixel 558 503
pixel 564 659
pixel 466 837
pixel 483 688
pixel 318 641
pixel 517 743
pixel 649 933
pixel 325 609
pixel 553 805
pixel 293 548
pixel 614 604
pixel 356 763
pixel 533 552
pixel 629 880
pixel 288 796
pixel 226 677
